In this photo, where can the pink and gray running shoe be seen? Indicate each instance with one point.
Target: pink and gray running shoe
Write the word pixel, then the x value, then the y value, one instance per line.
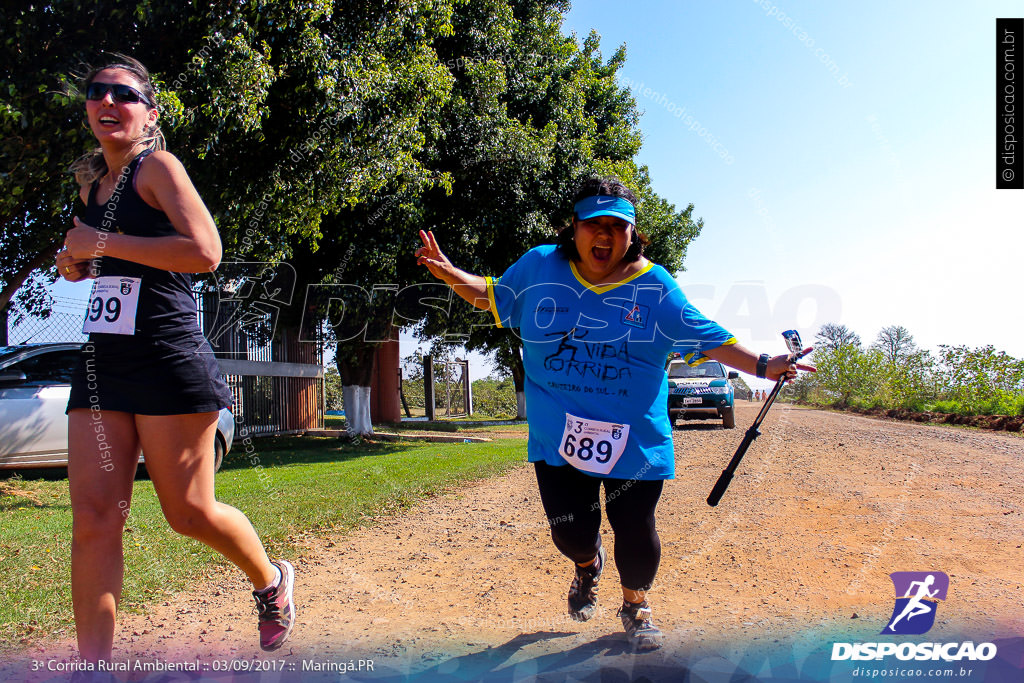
pixel 275 608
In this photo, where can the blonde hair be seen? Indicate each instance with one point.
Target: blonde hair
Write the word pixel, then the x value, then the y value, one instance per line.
pixel 91 166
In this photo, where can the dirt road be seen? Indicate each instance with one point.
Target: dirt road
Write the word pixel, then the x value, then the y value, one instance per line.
pixel 797 555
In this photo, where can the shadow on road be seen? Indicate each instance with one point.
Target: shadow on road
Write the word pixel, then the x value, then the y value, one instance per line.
pixel 608 659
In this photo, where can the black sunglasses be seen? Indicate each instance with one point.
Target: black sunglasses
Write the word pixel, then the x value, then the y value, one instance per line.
pixel 120 93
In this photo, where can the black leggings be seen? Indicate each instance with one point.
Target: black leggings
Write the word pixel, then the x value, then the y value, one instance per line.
pixel 572 503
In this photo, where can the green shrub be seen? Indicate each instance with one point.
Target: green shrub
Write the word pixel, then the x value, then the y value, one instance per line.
pixel 494 397
pixel 960 380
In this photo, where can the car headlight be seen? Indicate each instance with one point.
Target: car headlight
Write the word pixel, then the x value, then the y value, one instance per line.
pixel 719 390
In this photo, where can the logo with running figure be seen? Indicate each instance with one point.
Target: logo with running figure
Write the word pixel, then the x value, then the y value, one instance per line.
pixel 636 316
pixel 917 599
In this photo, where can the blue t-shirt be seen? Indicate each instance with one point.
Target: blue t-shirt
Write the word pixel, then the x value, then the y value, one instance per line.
pixel 599 352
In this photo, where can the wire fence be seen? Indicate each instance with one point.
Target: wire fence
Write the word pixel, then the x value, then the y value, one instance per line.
pixel 265 401
pixel 64 324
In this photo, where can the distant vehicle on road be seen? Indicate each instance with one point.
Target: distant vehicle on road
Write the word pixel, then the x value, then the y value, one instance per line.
pixel 701 392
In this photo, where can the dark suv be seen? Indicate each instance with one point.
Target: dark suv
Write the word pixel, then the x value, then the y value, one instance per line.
pixel 701 392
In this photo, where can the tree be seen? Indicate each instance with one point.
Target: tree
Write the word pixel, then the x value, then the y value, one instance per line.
pixel 532 113
pixel 982 380
pixel 904 372
pixel 907 382
pixel 529 113
pixel 283 113
pixel 741 389
pixel 332 390
pixel 846 372
pixel 327 133
pixel 494 397
pixel 833 335
pixel 290 118
pixel 508 352
pixel 40 134
pixel 895 342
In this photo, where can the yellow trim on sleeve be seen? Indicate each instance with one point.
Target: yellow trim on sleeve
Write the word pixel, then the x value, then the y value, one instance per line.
pixel 693 364
pixel 490 298
pixel 601 289
pixel 701 358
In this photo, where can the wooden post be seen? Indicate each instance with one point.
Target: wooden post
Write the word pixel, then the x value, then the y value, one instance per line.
pixel 386 388
pixel 428 386
pixel 401 394
pixel 469 388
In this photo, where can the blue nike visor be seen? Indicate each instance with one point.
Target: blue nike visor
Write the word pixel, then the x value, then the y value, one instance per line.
pixel 603 205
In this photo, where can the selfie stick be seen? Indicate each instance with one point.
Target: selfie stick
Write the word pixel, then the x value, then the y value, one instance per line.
pixel 794 345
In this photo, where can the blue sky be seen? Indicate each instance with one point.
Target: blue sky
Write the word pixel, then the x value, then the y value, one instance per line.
pixel 841 155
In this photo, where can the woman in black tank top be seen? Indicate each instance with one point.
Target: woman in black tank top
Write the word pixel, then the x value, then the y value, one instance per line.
pixel 147 378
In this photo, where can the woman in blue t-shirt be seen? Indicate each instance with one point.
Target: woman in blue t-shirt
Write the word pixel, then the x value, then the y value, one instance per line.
pixel 597 321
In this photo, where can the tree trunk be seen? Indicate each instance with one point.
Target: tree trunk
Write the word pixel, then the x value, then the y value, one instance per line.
pixel 509 354
pixel 355 365
pixel 519 380
pixel 357 409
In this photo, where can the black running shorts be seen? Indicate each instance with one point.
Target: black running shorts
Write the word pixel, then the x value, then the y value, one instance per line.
pixel 148 376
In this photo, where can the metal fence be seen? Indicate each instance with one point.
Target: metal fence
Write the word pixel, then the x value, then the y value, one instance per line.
pixel 447 390
pixel 276 381
pixel 64 324
pixel 277 384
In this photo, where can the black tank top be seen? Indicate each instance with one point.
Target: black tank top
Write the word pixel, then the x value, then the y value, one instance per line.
pixel 167 309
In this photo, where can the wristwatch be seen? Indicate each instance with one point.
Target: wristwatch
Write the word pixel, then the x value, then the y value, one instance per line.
pixel 762 365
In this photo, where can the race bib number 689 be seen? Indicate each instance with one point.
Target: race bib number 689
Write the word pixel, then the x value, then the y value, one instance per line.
pixel 592 445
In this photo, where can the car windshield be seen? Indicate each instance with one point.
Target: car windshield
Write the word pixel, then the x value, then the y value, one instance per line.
pixel 8 351
pixel 706 370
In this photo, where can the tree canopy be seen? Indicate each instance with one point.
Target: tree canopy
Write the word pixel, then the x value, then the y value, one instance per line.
pixel 328 133
pixel 281 112
pixel 895 342
pixel 834 336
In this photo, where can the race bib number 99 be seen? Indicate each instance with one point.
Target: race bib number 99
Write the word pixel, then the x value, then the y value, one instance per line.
pixel 592 445
pixel 112 305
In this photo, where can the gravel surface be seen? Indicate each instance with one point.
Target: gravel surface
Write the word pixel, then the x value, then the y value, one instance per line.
pixel 798 553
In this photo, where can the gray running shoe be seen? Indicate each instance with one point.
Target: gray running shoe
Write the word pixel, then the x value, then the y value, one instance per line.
pixel 640 630
pixel 583 591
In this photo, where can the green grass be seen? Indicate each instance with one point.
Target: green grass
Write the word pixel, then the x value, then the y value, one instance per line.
pixel 286 486
pixel 454 425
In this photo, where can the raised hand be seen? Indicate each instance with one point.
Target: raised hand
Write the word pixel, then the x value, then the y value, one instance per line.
pixel 431 256
pixel 472 288
pixel 779 365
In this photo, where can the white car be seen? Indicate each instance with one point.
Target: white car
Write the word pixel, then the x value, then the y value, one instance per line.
pixel 35 380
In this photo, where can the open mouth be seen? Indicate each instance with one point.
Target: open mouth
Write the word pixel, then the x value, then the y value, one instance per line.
pixel 601 253
pixel 108 121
